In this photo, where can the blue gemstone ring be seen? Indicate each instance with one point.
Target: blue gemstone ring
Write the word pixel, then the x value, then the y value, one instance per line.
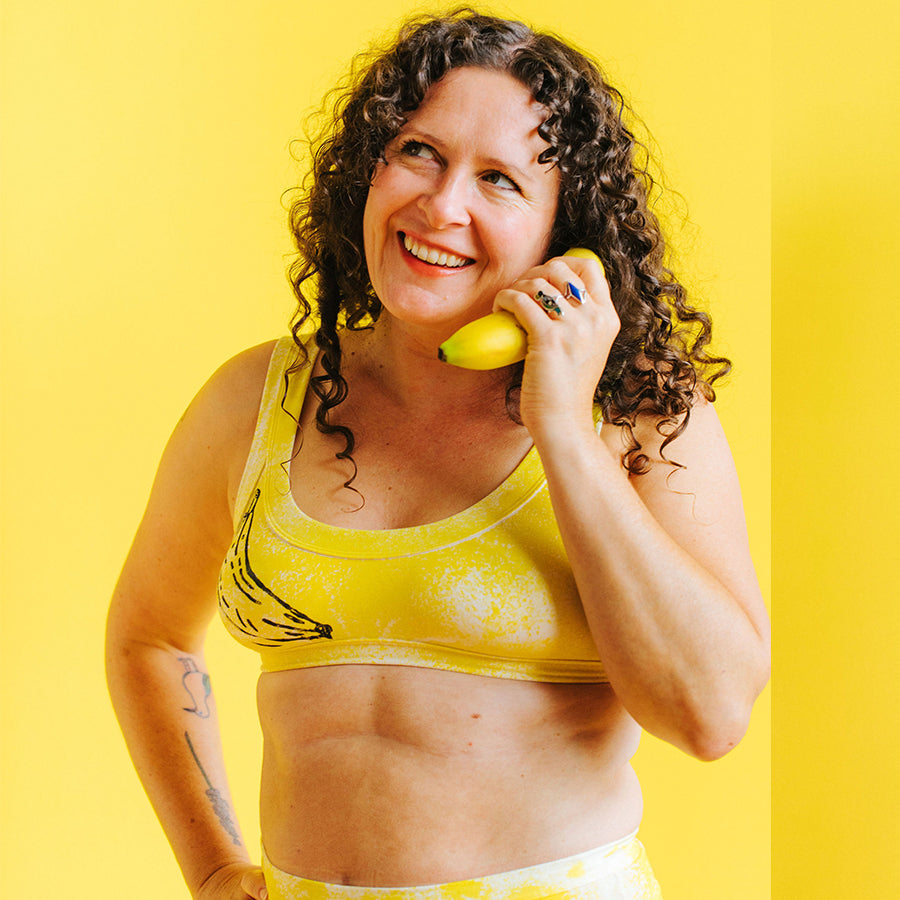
pixel 574 293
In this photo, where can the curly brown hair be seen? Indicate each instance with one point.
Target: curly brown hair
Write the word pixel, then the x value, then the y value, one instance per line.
pixel 658 363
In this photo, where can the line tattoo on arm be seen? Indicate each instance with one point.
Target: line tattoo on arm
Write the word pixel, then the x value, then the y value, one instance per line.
pixel 198 686
pixel 219 803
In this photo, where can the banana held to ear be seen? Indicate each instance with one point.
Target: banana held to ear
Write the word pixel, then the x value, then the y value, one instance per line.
pixel 494 340
pixel 490 342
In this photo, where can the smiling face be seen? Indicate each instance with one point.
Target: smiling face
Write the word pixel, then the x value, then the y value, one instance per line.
pixel 460 206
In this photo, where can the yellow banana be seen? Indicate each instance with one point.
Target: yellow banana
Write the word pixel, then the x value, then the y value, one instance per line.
pixel 494 340
pixel 490 342
pixel 584 253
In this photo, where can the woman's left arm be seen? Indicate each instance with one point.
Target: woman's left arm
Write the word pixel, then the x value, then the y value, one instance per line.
pixel 664 571
pixel 661 560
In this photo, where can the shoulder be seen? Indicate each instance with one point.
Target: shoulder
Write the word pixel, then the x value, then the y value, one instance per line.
pixel 236 387
pixel 693 475
pixel 212 439
pixel 665 442
pixel 227 404
pixel 695 467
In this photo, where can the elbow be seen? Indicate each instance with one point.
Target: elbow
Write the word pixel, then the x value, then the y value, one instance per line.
pixel 704 732
pixel 714 743
pixel 712 736
pixel 716 731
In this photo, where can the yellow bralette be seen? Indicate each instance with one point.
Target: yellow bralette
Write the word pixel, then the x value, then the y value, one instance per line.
pixel 488 591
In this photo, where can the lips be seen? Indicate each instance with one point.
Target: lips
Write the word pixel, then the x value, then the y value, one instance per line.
pixel 434 256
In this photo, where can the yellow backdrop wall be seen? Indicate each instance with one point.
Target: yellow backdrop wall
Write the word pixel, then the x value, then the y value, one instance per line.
pixel 145 150
pixel 836 218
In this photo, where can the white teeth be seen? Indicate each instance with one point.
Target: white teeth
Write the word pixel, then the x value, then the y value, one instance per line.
pixel 431 255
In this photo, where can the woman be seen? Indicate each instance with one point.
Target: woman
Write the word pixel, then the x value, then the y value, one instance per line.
pixel 468 596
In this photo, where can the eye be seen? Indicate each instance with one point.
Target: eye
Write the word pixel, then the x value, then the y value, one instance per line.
pixel 501 181
pixel 416 149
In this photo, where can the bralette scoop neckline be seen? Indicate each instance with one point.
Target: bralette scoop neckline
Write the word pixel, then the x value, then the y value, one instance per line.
pixel 298 527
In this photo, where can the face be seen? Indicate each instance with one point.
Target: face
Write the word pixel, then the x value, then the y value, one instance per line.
pixel 460 207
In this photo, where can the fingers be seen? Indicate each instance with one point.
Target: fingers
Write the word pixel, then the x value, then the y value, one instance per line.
pixel 566 299
pixel 549 303
pixel 539 302
pixel 582 283
pixel 254 885
pixel 535 303
pixel 565 308
pixel 563 282
pixel 576 275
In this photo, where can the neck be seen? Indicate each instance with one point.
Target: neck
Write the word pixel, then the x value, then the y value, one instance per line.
pixel 402 364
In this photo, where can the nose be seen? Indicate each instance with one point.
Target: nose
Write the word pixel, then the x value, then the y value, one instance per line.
pixel 446 201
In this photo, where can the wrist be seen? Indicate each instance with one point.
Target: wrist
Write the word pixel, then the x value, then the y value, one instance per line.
pixel 571 451
pixel 563 426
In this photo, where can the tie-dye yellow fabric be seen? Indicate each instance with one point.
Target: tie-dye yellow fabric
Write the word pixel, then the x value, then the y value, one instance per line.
pixel 488 591
pixel 618 871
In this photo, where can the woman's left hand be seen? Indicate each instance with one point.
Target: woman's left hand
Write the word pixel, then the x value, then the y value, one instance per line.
pixel 567 350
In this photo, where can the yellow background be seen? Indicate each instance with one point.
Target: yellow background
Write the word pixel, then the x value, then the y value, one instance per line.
pixel 836 221
pixel 144 152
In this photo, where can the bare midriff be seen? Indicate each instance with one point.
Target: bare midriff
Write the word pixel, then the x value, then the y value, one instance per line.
pixel 390 775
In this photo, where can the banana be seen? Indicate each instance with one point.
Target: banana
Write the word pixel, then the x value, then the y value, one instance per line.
pixel 494 340
pixel 584 253
pixel 490 342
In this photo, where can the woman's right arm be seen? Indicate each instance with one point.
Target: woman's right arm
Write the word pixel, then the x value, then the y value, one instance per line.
pixel 160 610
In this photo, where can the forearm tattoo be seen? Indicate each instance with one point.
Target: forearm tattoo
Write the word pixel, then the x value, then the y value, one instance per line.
pixel 198 686
pixel 219 803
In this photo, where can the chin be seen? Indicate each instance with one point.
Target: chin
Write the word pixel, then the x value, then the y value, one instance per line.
pixel 419 313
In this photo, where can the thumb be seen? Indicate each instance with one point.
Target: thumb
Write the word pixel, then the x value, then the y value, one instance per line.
pixel 254 885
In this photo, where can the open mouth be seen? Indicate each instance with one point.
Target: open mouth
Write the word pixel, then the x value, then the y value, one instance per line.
pixel 433 256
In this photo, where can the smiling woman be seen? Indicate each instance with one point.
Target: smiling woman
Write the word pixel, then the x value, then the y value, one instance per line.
pixel 469 590
pixel 461 179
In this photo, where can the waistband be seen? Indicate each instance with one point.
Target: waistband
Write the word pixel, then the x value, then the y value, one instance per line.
pixel 616 871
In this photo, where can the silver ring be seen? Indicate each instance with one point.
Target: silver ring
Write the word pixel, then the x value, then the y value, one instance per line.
pixel 550 304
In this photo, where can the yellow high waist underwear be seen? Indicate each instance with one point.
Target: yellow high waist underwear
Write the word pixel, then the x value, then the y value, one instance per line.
pixel 616 871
